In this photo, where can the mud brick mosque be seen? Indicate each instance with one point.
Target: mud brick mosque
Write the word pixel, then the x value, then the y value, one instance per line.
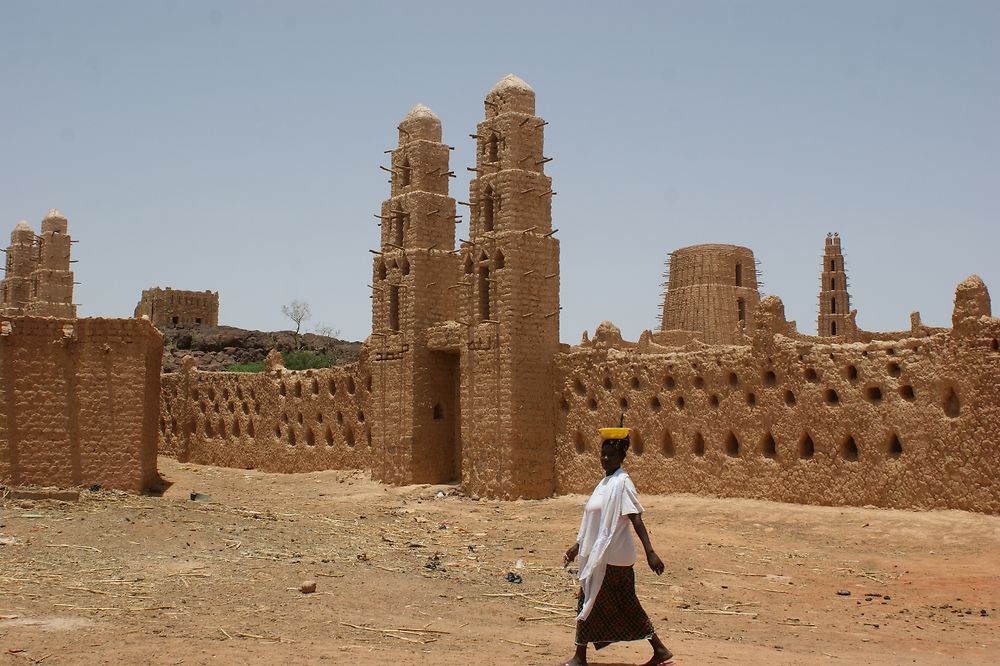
pixel 463 377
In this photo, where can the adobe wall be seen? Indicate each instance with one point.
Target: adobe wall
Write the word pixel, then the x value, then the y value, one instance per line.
pixel 909 423
pixel 78 402
pixel 170 307
pixel 276 421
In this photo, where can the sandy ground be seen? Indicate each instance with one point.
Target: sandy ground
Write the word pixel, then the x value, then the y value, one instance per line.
pixel 418 575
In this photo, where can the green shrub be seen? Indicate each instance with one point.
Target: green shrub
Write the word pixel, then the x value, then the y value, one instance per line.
pixel 258 366
pixel 304 360
pixel 294 360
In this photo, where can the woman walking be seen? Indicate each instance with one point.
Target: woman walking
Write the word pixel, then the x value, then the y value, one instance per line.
pixel 608 609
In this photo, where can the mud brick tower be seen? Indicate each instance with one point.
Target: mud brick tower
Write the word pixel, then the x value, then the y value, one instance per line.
pixel 52 281
pixel 415 429
pixel 38 281
pixel 711 290
pixel 510 307
pixel 22 254
pixel 834 301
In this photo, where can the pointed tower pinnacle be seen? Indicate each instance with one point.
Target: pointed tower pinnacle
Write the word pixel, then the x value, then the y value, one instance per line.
pixel 511 81
pixel 22 234
pixel 420 124
pixel 510 94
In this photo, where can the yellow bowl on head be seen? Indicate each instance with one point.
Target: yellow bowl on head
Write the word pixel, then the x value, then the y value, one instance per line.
pixel 614 433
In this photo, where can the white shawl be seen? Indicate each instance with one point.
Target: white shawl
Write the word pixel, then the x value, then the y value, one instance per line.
pixel 594 562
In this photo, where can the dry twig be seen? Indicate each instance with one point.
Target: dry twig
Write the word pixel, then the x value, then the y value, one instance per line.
pixel 709 611
pixel 395 633
pixel 736 573
pixel 71 545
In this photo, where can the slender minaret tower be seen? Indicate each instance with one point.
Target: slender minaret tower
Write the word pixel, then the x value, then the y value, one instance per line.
pixel 510 308
pixel 834 301
pixel 22 259
pixel 415 420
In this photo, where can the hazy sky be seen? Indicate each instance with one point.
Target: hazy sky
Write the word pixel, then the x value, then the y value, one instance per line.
pixel 234 146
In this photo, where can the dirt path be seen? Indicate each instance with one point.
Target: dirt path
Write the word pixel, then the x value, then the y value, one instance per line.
pixel 420 573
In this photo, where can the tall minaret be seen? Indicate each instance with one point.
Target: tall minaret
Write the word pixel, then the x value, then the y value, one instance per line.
pixel 834 301
pixel 511 304
pixel 52 280
pixel 22 259
pixel 415 420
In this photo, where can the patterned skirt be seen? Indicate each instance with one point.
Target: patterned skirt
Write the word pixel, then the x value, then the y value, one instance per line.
pixel 617 614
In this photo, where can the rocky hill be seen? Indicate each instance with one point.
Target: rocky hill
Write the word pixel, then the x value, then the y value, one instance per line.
pixel 215 347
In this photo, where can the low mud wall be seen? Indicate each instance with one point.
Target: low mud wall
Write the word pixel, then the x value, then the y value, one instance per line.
pixel 909 423
pixel 78 402
pixel 276 421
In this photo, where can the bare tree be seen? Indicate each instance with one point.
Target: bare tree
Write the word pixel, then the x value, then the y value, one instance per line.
pixel 298 312
pixel 327 331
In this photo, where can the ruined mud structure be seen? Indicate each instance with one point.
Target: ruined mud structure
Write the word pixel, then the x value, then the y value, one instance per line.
pixel 78 397
pixel 463 377
pixel 173 307
pixel 711 292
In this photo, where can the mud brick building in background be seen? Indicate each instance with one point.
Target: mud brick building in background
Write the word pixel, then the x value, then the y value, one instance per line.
pixel 173 307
